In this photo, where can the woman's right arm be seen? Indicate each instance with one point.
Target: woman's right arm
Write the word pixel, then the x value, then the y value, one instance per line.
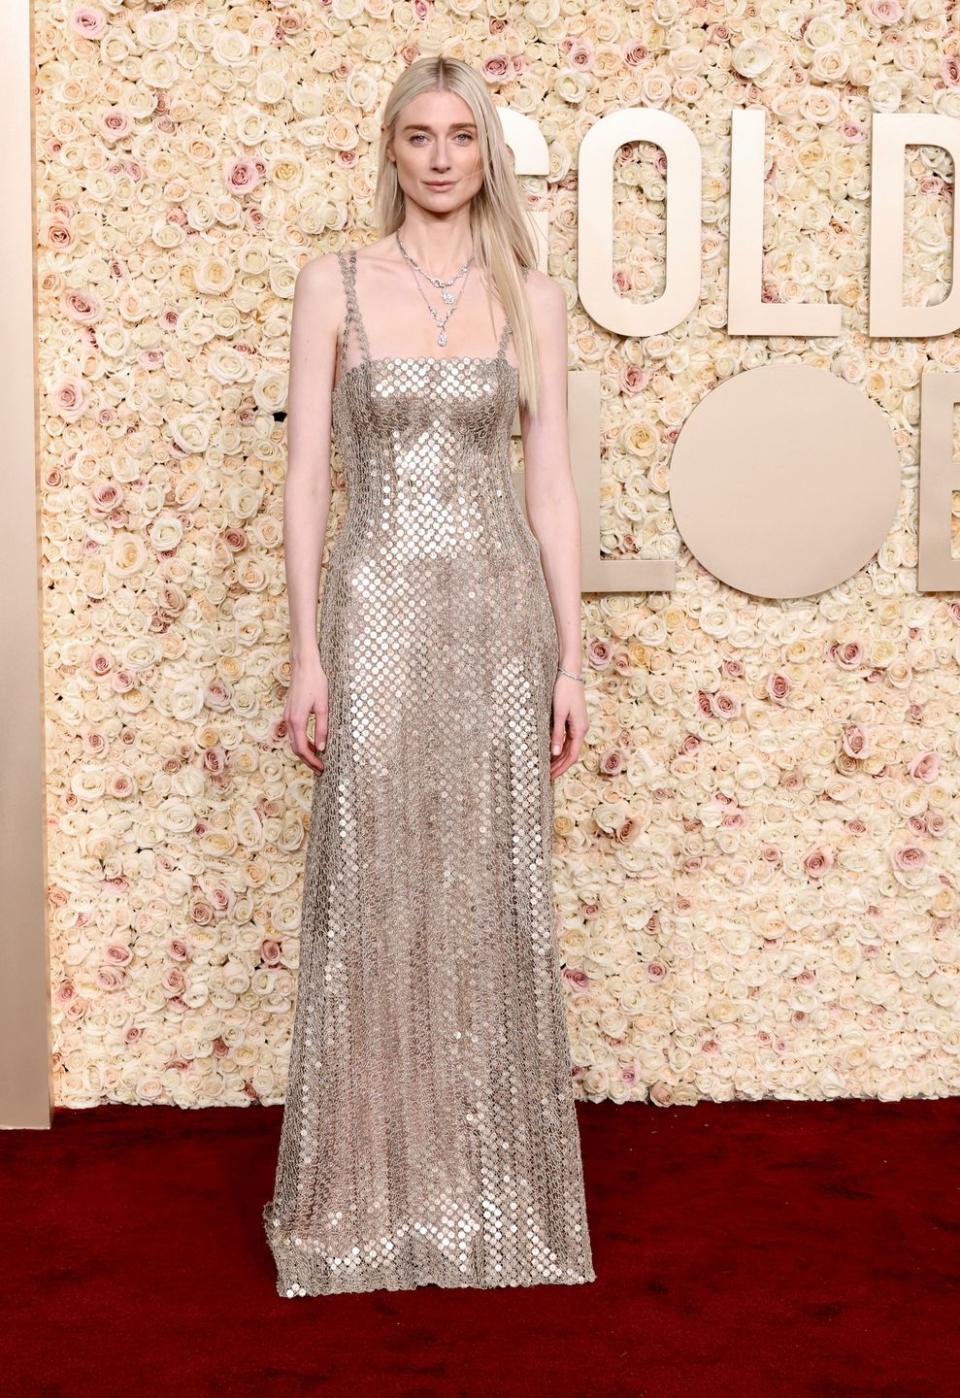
pixel 307 492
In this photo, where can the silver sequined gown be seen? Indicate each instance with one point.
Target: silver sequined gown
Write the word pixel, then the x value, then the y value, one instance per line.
pixel 429 1133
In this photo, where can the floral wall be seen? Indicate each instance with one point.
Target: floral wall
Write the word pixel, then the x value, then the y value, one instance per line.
pixel 756 859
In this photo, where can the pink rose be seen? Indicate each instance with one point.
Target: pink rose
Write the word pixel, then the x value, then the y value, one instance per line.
pixel 220 895
pixel 214 760
pixel 925 766
pixel 883 11
pixel 611 762
pixel 495 68
pixel 200 912
pixel 82 306
pixel 217 694
pixel 55 231
pixel 723 704
pixel 849 655
pixel 908 857
pixel 115 123
pixel 855 741
pixel 88 22
pixel 68 397
pixel 633 378
pixel 103 497
pixel 598 653
pixel 582 55
pixel 818 861
pixel 241 175
pixel 174 980
pixel 778 685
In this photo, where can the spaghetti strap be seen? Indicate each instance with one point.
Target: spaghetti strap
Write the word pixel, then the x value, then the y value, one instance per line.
pixel 348 270
pixel 504 335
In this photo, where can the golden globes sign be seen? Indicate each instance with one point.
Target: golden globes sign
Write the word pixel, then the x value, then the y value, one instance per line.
pixel 785 479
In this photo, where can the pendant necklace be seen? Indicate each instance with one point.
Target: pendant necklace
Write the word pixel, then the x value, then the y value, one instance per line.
pixel 442 286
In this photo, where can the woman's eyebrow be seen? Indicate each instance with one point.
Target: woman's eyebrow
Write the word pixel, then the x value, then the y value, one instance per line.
pixel 454 126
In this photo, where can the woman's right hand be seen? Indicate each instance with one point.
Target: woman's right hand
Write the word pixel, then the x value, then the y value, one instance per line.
pixel 308 694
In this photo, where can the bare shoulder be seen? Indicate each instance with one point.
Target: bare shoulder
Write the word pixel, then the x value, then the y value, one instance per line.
pixel 544 293
pixel 538 284
pixel 320 277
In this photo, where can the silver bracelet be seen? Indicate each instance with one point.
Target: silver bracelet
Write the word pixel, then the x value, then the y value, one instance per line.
pixel 562 671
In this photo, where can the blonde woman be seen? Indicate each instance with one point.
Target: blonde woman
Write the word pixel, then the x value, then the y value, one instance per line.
pixel 429 1133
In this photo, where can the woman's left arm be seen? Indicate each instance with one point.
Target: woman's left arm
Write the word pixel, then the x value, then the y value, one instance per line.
pixel 553 512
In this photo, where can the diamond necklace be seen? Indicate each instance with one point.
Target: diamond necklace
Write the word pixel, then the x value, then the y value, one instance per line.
pixel 447 296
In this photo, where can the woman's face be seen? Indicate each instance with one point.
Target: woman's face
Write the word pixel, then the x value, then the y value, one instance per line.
pixel 435 143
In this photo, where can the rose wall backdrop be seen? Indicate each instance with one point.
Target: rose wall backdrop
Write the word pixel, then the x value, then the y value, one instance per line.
pixel 757 857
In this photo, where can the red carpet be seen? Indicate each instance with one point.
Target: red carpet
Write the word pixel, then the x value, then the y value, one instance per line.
pixel 745 1250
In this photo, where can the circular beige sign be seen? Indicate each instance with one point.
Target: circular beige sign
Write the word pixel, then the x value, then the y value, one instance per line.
pixel 784 480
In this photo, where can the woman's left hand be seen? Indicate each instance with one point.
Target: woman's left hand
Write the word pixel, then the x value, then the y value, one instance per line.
pixel 568 725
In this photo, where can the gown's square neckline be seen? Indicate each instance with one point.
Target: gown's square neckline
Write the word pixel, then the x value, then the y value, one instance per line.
pixel 424 359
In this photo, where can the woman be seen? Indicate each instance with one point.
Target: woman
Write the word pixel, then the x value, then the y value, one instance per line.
pixel 429 1133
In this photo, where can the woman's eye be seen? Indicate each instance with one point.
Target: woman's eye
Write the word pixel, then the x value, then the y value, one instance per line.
pixel 419 134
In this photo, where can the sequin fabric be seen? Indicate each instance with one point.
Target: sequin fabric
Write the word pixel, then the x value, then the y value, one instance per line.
pixel 429 1132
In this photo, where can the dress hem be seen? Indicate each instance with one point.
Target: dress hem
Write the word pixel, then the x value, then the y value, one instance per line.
pixel 289 1286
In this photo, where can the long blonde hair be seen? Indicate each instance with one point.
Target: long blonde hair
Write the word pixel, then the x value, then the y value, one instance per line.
pixel 503 241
